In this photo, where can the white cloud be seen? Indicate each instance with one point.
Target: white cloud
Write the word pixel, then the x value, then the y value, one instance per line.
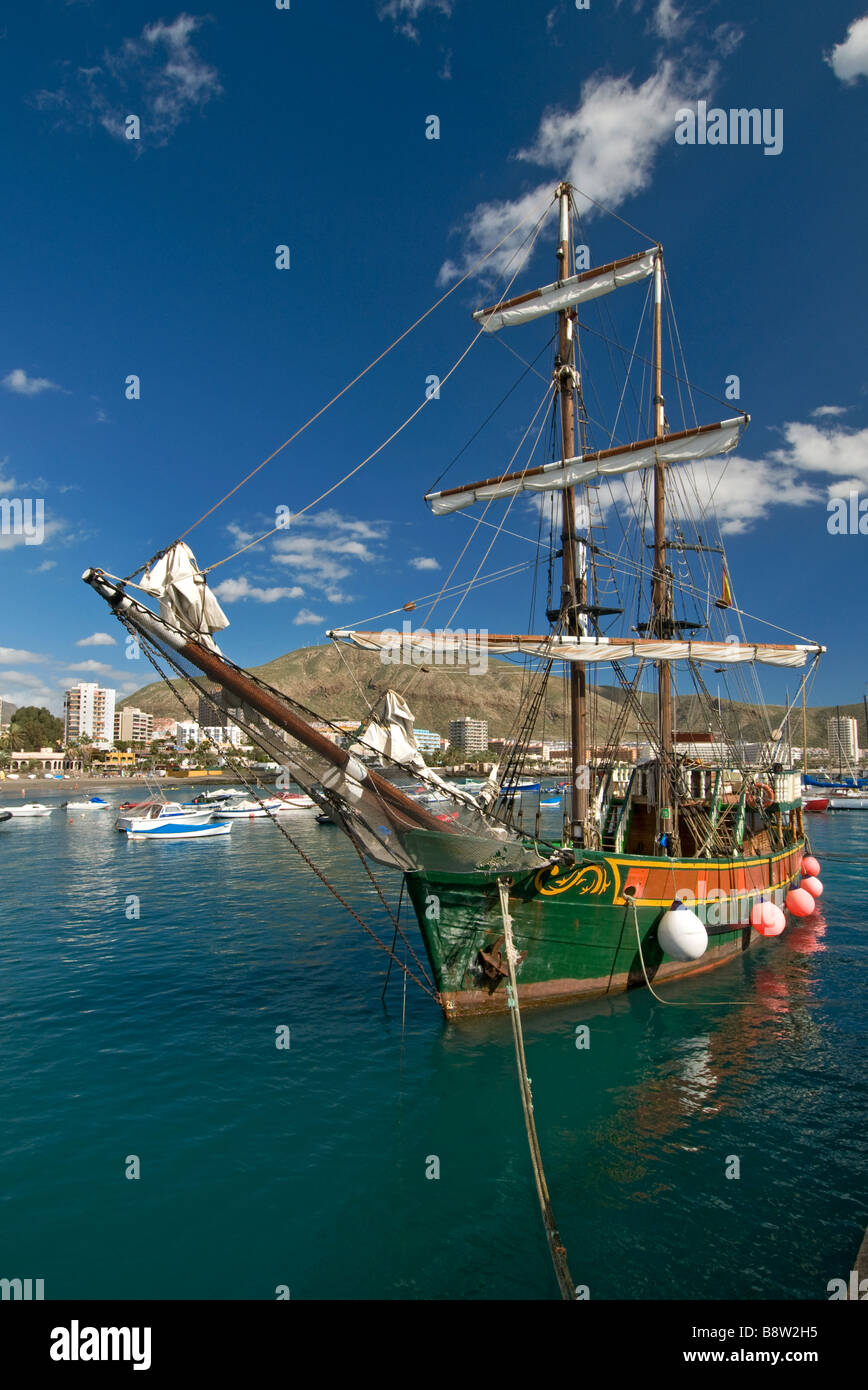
pixel 304 615
pixel 98 668
pixel 737 491
pixel 15 654
pixel 669 22
pixel 45 567
pixel 425 562
pixel 405 13
pixel 741 491
pixel 98 639
pixel 605 147
pixel 835 450
pixel 330 520
pixel 23 385
pixel 231 590
pixel 822 410
pixel 239 534
pixel 23 688
pixel 53 526
pixel 321 563
pixel 158 76
pixel 849 60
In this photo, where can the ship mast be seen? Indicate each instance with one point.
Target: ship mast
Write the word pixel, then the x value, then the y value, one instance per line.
pixel 661 597
pixel 574 580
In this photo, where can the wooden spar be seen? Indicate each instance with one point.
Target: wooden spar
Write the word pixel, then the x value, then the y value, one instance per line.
pixel 284 717
pixel 489 640
pixel 585 275
pixel 408 812
pixel 661 600
pixel 574 585
pixel 598 456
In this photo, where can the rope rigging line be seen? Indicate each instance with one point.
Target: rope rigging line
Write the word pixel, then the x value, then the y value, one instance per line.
pixel 556 1248
pixel 529 367
pixel 240 771
pixel 385 443
pixel 350 384
pixel 549 391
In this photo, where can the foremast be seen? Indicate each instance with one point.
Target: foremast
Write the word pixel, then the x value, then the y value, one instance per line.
pixel 661 624
pixel 574 585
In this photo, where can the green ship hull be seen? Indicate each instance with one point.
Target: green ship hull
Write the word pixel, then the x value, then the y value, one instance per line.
pixel 575 929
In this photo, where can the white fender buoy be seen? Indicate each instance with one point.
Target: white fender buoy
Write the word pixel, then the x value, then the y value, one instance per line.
pixel 681 934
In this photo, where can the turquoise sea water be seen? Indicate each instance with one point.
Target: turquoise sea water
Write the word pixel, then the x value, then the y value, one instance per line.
pixel 307 1167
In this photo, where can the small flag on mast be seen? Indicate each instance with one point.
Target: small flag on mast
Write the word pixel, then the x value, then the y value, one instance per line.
pixel 725 600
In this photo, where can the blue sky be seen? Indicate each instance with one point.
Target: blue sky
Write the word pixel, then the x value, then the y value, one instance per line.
pixel 306 127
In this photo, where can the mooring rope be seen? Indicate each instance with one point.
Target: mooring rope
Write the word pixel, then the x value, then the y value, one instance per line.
pixel 682 1003
pixel 556 1249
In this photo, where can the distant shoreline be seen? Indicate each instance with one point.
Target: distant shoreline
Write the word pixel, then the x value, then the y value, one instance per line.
pixel 44 784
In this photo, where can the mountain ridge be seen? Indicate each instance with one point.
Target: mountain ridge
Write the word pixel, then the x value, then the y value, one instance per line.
pixel 344 684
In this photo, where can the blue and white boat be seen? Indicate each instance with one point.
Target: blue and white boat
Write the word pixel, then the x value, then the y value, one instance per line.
pixel 169 828
pixel 94 803
pixel 145 813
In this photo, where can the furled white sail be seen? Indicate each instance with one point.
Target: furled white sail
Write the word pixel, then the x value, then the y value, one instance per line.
pixel 185 599
pixel 565 294
pixel 422 646
pixel 704 442
pixel 390 733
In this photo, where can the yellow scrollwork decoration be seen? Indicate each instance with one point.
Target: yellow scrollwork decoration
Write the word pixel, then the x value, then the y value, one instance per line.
pixel 592 879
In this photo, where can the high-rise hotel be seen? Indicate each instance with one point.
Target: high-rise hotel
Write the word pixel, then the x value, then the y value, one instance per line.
pixel 89 712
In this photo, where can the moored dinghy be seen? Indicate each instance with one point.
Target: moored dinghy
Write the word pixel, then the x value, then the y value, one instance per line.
pixel 172 830
pixel 146 812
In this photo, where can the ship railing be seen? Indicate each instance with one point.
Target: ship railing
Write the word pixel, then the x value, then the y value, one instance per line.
pixel 624 815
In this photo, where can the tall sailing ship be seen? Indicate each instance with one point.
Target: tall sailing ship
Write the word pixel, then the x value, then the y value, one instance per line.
pixel 654 871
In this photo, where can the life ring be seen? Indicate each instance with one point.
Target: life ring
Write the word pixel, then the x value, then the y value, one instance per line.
pixel 763 790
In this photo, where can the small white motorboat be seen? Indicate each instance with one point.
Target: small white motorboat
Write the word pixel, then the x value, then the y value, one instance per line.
pixel 95 803
pixel 171 829
pixel 848 800
pixel 146 812
pixel 29 810
pixel 248 810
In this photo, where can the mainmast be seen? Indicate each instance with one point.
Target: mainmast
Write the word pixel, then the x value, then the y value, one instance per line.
pixel 661 595
pixel 574 581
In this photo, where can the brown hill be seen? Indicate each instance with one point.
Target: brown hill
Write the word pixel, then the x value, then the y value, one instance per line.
pixel 345 684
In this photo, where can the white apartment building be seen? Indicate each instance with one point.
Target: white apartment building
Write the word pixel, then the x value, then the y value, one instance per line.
pixel 468 735
pixel 89 712
pixel 842 733
pixel 133 726
pixel 187 732
pixel 222 736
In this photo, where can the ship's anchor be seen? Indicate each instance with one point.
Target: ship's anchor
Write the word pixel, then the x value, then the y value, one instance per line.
pixel 493 961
